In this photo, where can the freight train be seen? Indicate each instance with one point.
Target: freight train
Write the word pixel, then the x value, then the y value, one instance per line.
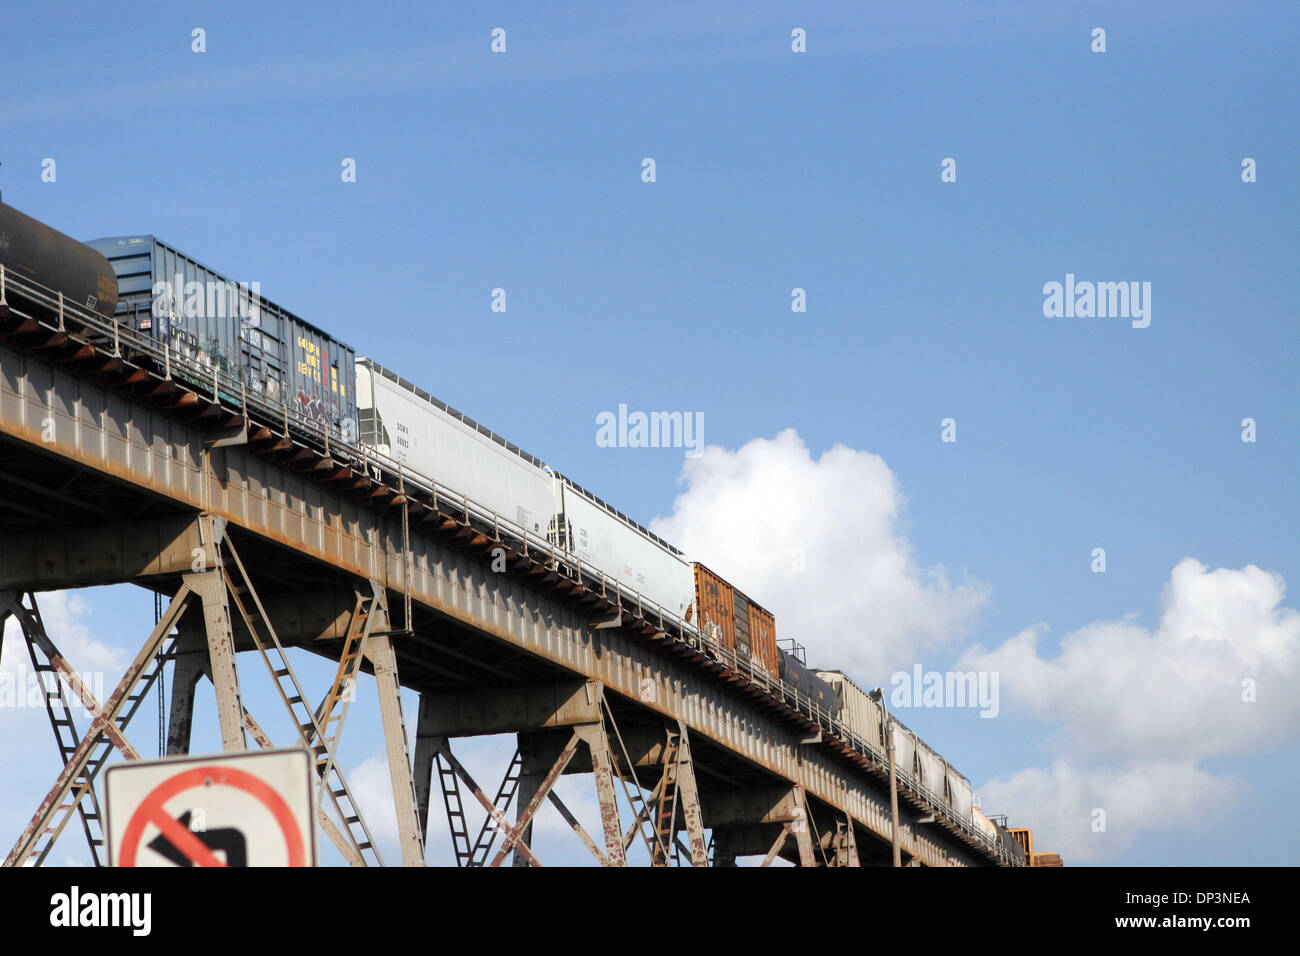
pixel 203 322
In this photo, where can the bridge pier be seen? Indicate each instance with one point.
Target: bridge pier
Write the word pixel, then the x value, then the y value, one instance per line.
pixel 122 485
pixel 410 832
pixel 191 663
pixel 211 591
pixel 202 645
pixel 531 772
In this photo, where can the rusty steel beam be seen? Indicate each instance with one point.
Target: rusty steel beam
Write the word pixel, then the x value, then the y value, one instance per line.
pixel 210 588
pixel 593 735
pixel 497 816
pixel 129 445
pixel 468 713
pixel 802 828
pixel 410 834
pixel 428 742
pixel 577 828
pixel 643 814
pixel 310 732
pixel 56 707
pixel 776 846
pixel 842 843
pixel 531 771
pixel 516 833
pixel 332 712
pixel 689 794
pixel 191 664
pixel 79 772
pixel 335 836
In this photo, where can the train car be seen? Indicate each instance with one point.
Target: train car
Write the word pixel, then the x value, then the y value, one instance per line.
pixel 802 681
pixel 1012 847
pixel 428 436
pixel 862 715
pixel 984 825
pixel 209 321
pixel 904 750
pixel 600 535
pixel 960 798
pixel 1023 839
pixel 756 629
pixel 31 250
pixel 736 621
pixel 933 771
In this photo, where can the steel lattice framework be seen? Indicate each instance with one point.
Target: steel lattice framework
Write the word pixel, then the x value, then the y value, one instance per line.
pixel 262 535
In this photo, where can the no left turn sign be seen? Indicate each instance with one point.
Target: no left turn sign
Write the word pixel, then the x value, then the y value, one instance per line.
pixel 252 809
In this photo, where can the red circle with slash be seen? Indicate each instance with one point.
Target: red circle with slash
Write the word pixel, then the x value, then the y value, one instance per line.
pixel 151 810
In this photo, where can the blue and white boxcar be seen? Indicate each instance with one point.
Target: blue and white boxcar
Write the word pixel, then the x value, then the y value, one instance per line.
pixel 208 320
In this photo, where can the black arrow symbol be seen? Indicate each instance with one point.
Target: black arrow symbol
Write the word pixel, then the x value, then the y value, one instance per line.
pixel 227 839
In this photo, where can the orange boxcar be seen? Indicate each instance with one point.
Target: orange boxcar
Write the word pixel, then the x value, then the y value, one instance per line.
pixel 714 607
pixel 762 637
pixel 734 620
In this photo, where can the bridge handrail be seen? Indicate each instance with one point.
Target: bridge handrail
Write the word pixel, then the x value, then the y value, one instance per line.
pixel 338 444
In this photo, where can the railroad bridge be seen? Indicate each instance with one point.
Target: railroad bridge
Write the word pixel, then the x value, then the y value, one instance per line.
pixel 119 464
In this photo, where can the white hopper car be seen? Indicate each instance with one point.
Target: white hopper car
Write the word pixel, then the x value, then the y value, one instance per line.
pixel 405 423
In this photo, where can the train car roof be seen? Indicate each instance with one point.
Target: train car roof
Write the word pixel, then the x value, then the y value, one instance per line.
pixel 458 415
pixel 512 447
pixel 110 243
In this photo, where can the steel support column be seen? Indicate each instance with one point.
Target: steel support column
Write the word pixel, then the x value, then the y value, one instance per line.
pixel 801 827
pixel 593 735
pixel 843 843
pixel 210 587
pixel 191 663
pixel 530 778
pixel 689 795
pixel 410 833
pixel 428 742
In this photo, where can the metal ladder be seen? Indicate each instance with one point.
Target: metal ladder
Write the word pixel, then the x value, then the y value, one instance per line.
pixel 100 750
pixel 455 809
pixel 329 716
pixel 487 834
pixel 309 731
pixel 66 736
pixel 666 811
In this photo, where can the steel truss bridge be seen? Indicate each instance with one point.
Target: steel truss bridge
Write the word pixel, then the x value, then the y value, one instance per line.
pixel 121 461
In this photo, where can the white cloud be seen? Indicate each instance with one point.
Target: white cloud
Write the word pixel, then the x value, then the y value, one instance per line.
pixel 64 614
pixel 372 789
pixel 861 601
pixel 1138 708
pixel 1121 690
pixel 1061 803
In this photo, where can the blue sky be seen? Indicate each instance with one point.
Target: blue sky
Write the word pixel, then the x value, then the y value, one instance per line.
pixel 778 170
